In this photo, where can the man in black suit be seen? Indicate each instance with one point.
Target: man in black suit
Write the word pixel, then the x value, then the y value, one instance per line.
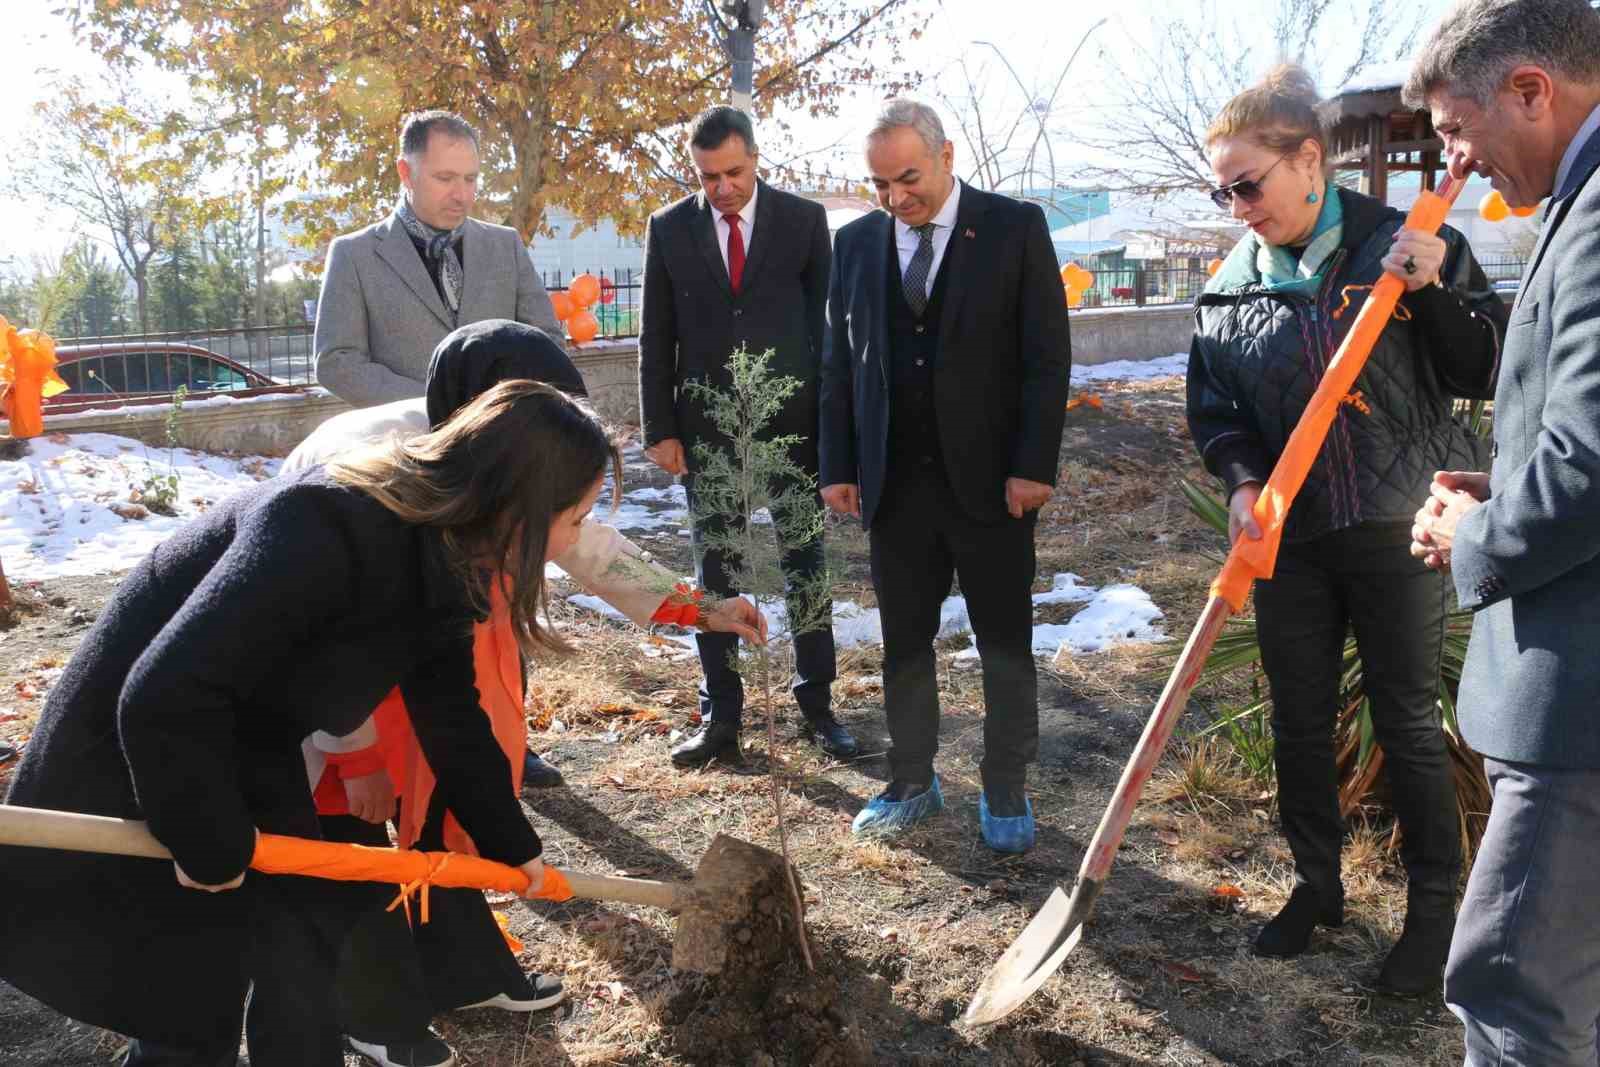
pixel 739 263
pixel 944 388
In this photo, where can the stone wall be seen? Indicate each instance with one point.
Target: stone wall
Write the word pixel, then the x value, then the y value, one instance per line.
pixel 1101 335
pixel 269 424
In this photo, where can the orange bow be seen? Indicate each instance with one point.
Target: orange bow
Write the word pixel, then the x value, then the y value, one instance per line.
pixel 27 376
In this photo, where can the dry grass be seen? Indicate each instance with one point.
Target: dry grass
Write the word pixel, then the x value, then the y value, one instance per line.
pixel 911 924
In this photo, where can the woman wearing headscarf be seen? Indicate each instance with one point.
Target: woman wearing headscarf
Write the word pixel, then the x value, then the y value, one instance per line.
pixel 291 607
pixel 1266 327
pixel 394 976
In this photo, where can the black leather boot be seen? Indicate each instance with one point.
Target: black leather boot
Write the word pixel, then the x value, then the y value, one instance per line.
pixel 716 740
pixel 1289 932
pixel 831 735
pixel 538 773
pixel 1415 966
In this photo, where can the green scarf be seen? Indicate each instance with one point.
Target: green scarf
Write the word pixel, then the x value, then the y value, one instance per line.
pixel 1255 264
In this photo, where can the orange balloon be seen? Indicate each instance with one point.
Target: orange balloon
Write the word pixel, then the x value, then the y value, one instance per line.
pixel 1525 212
pixel 562 302
pixel 585 290
pixel 1077 281
pixel 1493 207
pixel 582 326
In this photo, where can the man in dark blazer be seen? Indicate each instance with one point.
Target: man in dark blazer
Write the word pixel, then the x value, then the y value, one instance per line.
pixel 944 389
pixel 1514 88
pixel 739 263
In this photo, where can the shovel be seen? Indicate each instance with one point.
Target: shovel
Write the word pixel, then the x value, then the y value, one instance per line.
pixel 1055 931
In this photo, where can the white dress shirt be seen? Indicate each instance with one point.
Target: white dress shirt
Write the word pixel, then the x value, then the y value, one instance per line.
pixel 906 239
pixel 747 225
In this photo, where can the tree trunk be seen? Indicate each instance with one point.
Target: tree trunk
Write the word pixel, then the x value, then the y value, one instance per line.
pixel 258 347
pixel 527 199
pixel 141 296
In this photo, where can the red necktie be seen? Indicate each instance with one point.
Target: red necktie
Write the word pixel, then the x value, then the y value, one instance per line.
pixel 735 252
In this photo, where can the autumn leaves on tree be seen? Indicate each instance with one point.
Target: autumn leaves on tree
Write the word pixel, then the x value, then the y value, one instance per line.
pixel 578 100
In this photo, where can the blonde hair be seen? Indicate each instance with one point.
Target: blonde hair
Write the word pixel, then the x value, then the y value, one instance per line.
pixel 1280 113
pixel 487 483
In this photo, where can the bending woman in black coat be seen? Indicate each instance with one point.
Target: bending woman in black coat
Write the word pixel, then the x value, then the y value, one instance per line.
pixel 1266 328
pixel 290 608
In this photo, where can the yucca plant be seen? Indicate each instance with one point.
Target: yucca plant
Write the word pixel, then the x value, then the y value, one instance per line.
pixel 1360 758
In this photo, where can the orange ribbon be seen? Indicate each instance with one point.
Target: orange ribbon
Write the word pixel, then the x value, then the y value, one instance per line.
pixel 412 871
pixel 27 376
pixel 680 608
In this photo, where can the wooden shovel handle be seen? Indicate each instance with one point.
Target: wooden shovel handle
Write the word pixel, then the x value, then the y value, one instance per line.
pixel 1147 753
pixel 644 891
pixel 76 832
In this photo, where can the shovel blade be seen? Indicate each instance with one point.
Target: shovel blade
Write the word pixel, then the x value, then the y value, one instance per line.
pixel 1034 956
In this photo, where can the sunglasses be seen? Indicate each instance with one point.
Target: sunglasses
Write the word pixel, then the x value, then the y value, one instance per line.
pixel 1248 190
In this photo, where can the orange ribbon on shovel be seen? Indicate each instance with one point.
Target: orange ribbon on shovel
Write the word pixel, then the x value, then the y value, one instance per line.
pixel 1046 941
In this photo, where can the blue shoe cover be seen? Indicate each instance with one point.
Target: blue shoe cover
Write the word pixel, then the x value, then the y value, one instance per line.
pixel 890 816
pixel 1012 834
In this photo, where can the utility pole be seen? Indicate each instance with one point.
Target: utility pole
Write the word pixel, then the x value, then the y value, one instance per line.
pixel 735 23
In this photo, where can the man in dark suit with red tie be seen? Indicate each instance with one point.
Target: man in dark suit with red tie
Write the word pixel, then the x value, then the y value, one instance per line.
pixel 739 263
pixel 944 392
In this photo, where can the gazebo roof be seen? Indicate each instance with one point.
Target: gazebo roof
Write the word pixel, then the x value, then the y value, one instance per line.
pixel 1371 129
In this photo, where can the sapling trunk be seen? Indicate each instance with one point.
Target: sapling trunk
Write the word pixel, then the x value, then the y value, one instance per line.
pixel 736 477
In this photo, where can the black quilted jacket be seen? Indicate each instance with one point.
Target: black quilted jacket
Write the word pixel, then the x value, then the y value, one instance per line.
pixel 1258 356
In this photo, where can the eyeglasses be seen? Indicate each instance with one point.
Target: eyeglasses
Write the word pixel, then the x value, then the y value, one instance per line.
pixel 1248 190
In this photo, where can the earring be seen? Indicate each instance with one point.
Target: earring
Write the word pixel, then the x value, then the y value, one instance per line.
pixel 1312 197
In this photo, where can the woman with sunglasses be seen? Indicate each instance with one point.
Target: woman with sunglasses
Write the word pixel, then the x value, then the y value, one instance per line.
pixel 1266 327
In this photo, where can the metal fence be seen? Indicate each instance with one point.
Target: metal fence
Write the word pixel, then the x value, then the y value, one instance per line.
pixel 1139 286
pixel 281 353
pixel 621 294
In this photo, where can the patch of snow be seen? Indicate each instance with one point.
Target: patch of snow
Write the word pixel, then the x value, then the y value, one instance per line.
pixel 56 516
pixel 1378 78
pixel 1114 615
pixel 1065 589
pixel 1132 370
pixel 595 604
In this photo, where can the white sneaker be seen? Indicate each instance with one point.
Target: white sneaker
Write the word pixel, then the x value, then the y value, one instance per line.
pixel 429 1052
pixel 543 991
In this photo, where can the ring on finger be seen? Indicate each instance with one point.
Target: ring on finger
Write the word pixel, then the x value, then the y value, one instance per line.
pixel 1410 265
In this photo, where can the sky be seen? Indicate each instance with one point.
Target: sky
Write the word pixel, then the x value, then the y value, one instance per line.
pixel 1034 37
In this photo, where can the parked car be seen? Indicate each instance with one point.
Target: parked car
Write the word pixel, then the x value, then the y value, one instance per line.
pixel 119 370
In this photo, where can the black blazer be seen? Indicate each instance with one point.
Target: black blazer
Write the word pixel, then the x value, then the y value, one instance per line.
pixel 691 321
pixel 1005 356
pixel 291 607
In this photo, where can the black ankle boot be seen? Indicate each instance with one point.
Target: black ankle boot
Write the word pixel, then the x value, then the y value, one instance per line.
pixel 1289 932
pixel 1415 965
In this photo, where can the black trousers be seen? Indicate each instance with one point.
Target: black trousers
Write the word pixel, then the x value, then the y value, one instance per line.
pixel 1360 579
pixel 722 691
pixel 920 539
pixel 393 976
pixel 300 926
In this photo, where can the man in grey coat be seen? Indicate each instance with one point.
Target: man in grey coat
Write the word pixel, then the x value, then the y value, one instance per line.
pixel 1514 88
pixel 392 291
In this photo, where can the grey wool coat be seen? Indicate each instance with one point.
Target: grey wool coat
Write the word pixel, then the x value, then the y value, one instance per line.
pixel 380 316
pixel 1528 561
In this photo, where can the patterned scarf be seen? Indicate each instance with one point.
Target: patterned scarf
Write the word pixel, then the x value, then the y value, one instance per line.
pixel 440 246
pixel 1274 268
